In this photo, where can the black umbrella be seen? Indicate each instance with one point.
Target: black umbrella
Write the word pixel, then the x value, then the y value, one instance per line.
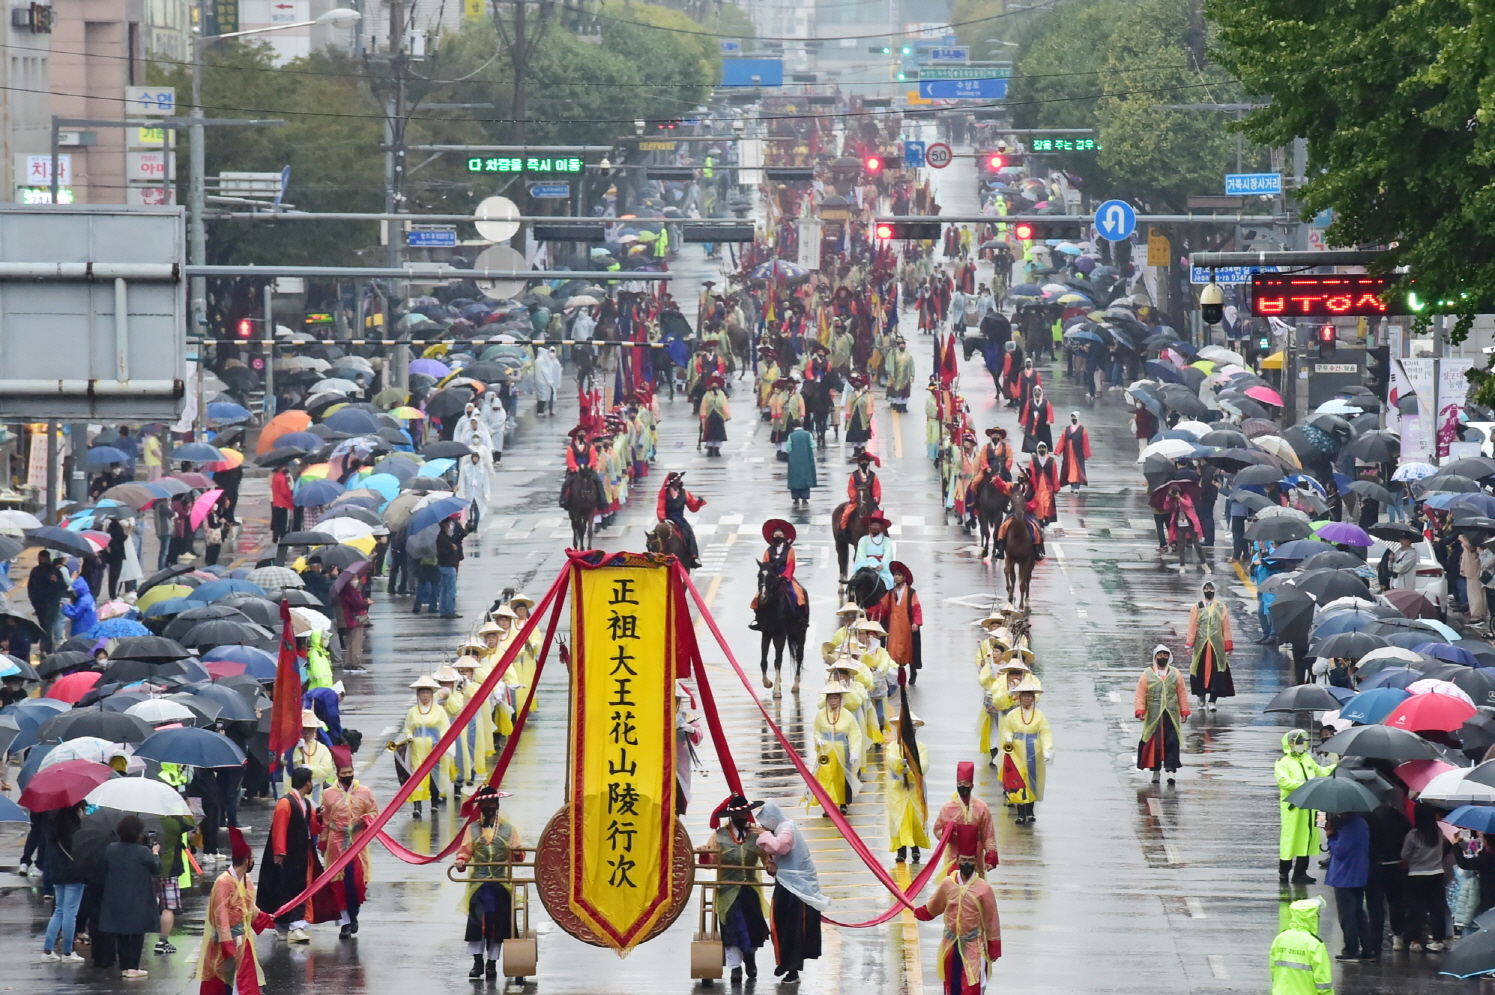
pixel 162 576
pixel 1371 778
pixel 1252 501
pixel 96 832
pixel 446 450
pixel 1278 528
pixel 184 622
pixel 1478 685
pixel 1183 401
pixel 1257 476
pixel 1478 733
pixel 225 632
pixel 1237 458
pixel 297 596
pixel 311 538
pixel 1347 645
pixel 232 706
pixel 122 670
pixel 280 456
pixel 357 514
pixel 1291 612
pixel 1472 956
pixel 63 660
pixel 1328 585
pixel 1372 490
pixel 1381 743
pixel 340 555
pixel 113 727
pixel 258 610
pixel 1224 438
pixel 1303 698
pixel 1474 467
pixel 1158 470
pixel 153 649
pixel 1478 648
pixel 1392 531
pixel 1376 447
pixel 445 403
pixel 1334 794
pixel 1333 559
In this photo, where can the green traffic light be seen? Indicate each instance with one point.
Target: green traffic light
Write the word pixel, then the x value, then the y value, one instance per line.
pixel 906 50
pixel 902 77
pixel 886 50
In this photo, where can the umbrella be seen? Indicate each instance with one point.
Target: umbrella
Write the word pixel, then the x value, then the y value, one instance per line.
pixel 1370 707
pixel 203 505
pixel 217 589
pixel 17 523
pixel 11 812
pixel 1302 698
pixel 118 628
pixel 1264 394
pixel 115 727
pixel 1391 677
pixel 1482 819
pixel 1277 529
pixel 280 456
pixel 152 649
pixel 449 402
pixel 64 785
pixel 1327 585
pixel 1333 794
pixel 1376 447
pixel 1346 645
pixel 227 413
pixel 1372 490
pixel 73 686
pixel 1454 787
pixel 1258 476
pixel 1416 774
pixel 1448 652
pixel 434 512
pixel 131 495
pixel 105 455
pixel 257 663
pixel 353 421
pixel 52 537
pixel 224 631
pixel 312 538
pixel 1430 711
pixel 1449 483
pixel 1291 612
pixel 1380 742
pixel 196 452
pixel 159 710
pixel 1478 684
pixel 231 705
pixel 282 424
pixel 139 794
pixel 1392 531
pixel 274 578
pixel 314 493
pixel 1344 533
pixel 446 450
pixel 1387 656
pixel 192 747
pixel 62 661
pixel 1333 559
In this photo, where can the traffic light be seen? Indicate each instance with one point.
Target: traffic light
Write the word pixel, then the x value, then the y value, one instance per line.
pixel 244 329
pixel 1327 341
pixel 906 50
pixel 1024 231
pixel 995 161
pixel 872 165
pixel 880 50
pixel 913 230
pixel 1377 374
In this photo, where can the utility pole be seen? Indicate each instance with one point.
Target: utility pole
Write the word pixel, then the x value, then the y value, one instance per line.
pixel 521 71
pixel 394 181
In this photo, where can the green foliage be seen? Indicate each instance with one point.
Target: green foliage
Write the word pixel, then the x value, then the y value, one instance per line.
pixel 1396 101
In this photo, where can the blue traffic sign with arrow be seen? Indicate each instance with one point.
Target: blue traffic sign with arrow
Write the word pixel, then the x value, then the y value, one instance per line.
pixel 1115 220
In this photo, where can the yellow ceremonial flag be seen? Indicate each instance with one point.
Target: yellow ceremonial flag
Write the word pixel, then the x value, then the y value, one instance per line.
pixel 622 791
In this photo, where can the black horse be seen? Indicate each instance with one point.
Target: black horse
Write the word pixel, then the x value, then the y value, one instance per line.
pixel 817 397
pixel 866 588
pixel 579 496
pixel 991 507
pixel 779 622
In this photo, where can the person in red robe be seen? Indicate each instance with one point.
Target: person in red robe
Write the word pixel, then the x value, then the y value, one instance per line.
pixel 1043 477
pixel 972 938
pixel 966 809
pixel 674 502
pixel 1012 366
pixel 347 810
pixel 1074 450
pixel 228 962
pixel 901 612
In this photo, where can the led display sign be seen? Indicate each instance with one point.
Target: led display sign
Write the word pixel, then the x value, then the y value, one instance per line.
pixel 1281 296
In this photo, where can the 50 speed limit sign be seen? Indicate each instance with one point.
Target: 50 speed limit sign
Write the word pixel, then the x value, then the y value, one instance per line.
pixel 938 155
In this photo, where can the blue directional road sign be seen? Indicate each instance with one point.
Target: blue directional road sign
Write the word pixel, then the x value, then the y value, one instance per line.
pixel 913 154
pixel 1115 220
pixel 432 237
pixel 1252 184
pixel 550 191
pixel 963 89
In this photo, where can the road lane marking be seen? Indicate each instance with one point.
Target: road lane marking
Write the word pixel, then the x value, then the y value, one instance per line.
pixel 1154 808
pixel 897 440
pixel 1172 852
pixel 913 962
pixel 1240 572
pixel 1196 908
pixel 710 597
pixel 1217 967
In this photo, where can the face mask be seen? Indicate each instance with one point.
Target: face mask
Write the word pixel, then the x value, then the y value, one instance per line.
pixel 967 868
pixel 1300 748
pixel 346 782
pixel 1209 595
pixel 964 791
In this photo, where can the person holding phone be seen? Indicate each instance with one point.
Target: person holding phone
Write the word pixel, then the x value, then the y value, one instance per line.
pixel 129 908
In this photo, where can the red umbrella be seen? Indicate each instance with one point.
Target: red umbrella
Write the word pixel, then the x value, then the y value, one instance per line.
pixel 1411 603
pixel 1430 711
pixel 224 668
pixel 72 687
pixel 194 480
pixel 203 505
pixel 1265 394
pixel 63 785
pixel 1417 773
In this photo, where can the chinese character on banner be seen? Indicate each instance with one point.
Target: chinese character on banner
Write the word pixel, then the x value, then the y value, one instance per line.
pixel 622 795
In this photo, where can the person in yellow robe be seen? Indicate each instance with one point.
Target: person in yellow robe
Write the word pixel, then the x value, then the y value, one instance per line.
pixel 466 665
pixel 850 672
pixel 838 747
pixel 229 962
pixel 847 616
pixel 1004 674
pixel 425 723
pixel 313 754
pixel 453 699
pixel 882 671
pixel 1027 742
pixel 907 801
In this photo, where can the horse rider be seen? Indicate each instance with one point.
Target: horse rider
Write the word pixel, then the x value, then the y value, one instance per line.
pixel 580 453
pixel 1035 526
pixel 818 366
pixel 674 502
pixel 1043 474
pixel 876 550
pixel 706 366
pixel 780 536
pixel 862 476
pixel 995 459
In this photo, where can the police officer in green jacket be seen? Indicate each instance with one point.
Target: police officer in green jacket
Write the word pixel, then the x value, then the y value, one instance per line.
pixel 1300 961
pixel 1299 839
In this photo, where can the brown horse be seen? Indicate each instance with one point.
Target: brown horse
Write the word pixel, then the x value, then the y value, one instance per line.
pixel 1018 548
pixel 992 504
pixel 665 538
pixel 848 537
pixel 580 499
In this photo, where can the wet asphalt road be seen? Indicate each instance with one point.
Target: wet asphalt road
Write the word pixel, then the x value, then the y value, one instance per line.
pixel 1120 886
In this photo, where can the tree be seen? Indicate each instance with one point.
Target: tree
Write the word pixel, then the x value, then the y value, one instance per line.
pixel 1396 102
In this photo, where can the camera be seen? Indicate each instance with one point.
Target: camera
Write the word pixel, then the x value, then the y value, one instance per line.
pixel 1212 304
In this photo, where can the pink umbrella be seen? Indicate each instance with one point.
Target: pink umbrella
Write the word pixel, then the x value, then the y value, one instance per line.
pixel 1265 394
pixel 224 668
pixel 1417 773
pixel 203 505
pixel 99 540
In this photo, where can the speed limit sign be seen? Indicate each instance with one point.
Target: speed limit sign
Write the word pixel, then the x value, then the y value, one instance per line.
pixel 938 155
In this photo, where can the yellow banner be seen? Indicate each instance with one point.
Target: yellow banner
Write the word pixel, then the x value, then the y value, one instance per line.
pixel 622 791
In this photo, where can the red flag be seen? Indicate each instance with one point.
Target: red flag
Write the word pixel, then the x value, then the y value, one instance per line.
pixel 285 715
pixel 949 370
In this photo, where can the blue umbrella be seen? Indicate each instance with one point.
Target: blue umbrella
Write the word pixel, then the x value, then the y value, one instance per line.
pixel 1348 620
pixel 1370 707
pixel 105 455
pixel 192 747
pixel 173 606
pixel 386 484
pixel 1391 677
pixel 215 589
pixel 1340 695
pixel 310 441
pixel 117 628
pixel 196 452
pixel 33 762
pixel 436 467
pixel 11 812
pixel 1480 818
pixel 315 493
pixel 1166 372
pixel 354 421
pixel 1176 433
pixel 1484 504
pixel 257 663
pixel 1447 652
pixel 1085 335
pixel 51 537
pixel 1025 290
pixel 434 512
pixel 227 413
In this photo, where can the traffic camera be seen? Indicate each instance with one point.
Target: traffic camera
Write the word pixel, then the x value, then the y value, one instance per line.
pixel 1212 304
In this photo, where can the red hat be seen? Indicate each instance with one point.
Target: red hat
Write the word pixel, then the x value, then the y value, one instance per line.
pixel 992 433
pixel 578 430
pixel 777 523
pixel 894 568
pixel 715 382
pixel 238 847
pixel 872 457
pixel 965 772
pixel 878 516
pixel 967 840
pixel 341 757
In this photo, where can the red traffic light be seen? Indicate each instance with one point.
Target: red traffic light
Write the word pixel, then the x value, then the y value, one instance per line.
pixel 1326 333
pixel 995 161
pixel 244 329
pixel 872 164
pixel 886 231
pixel 1023 230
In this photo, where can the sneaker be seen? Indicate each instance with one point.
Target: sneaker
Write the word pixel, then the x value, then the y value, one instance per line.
pixel 137 973
pixel 1414 947
pixel 1347 956
pixel 70 959
pixel 164 947
pixel 1397 943
pixel 48 955
pixel 299 936
pixel 1435 946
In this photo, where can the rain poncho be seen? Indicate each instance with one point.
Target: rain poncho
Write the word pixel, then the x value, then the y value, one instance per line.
pixel 795 869
pixel 1299 960
pixel 473 483
pixel 496 418
pixel 1299 837
pixel 83 612
pixel 547 375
